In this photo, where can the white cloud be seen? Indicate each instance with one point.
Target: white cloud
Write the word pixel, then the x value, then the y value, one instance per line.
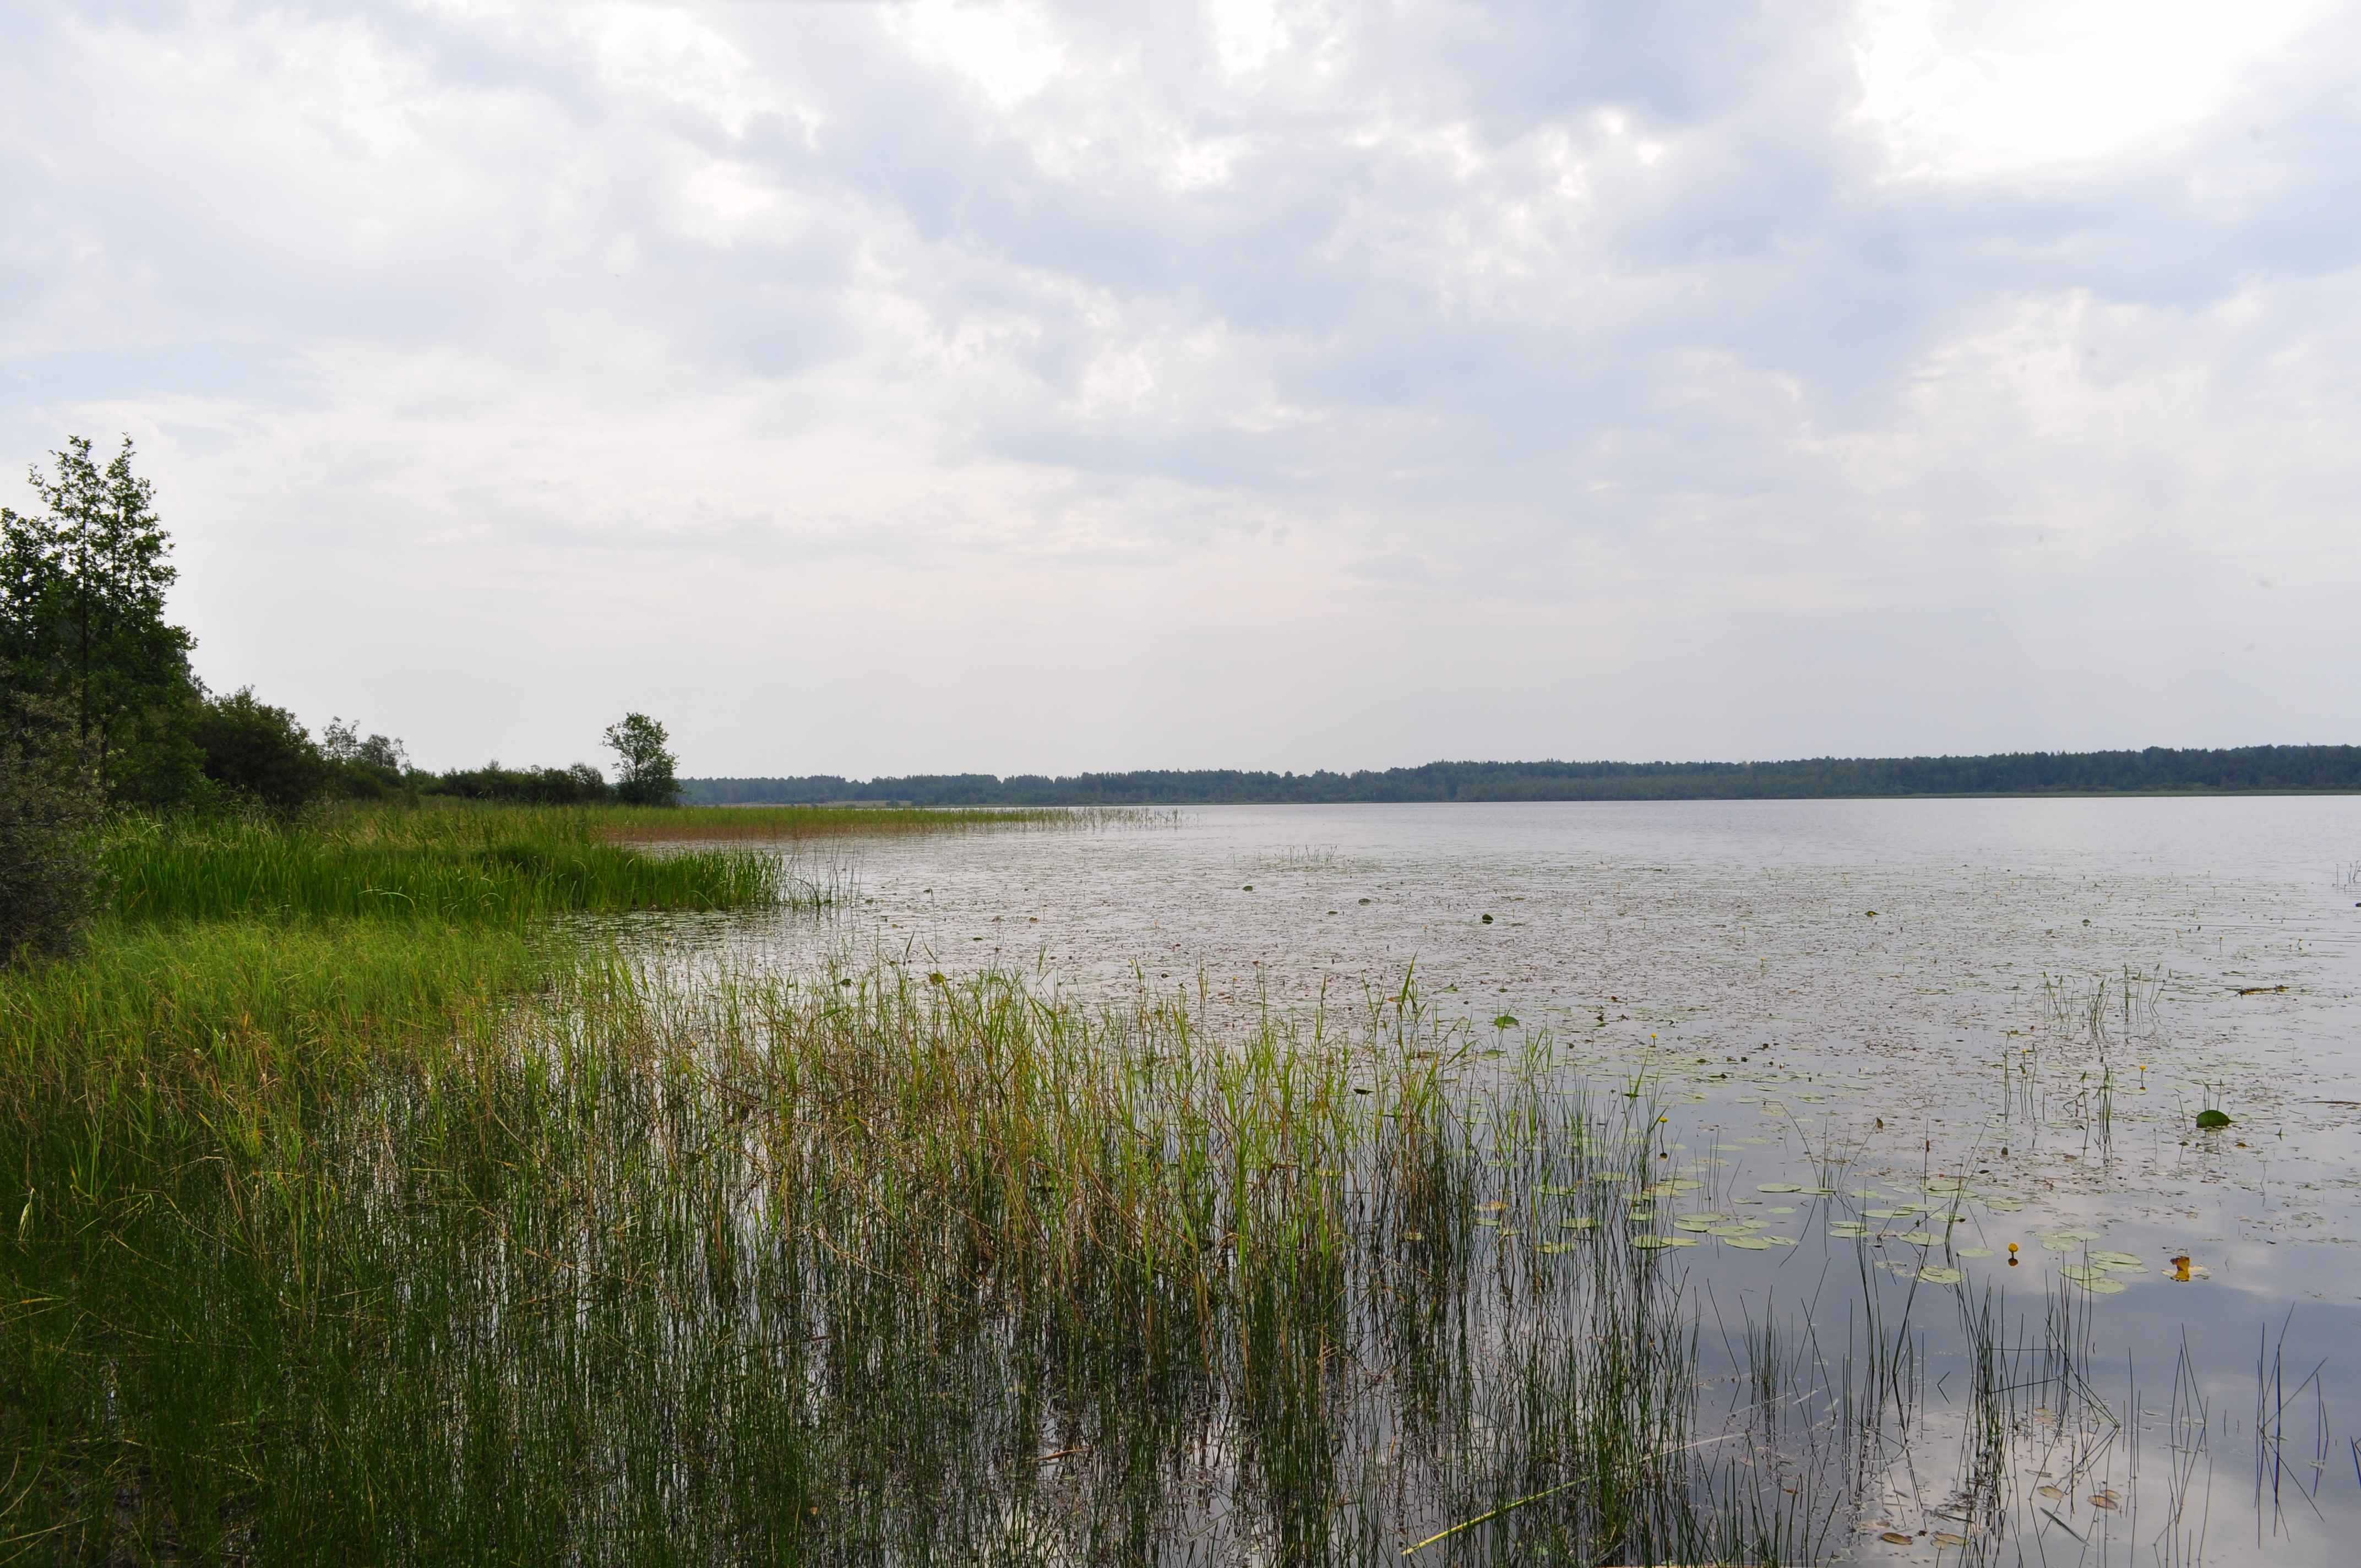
pixel 841 379
pixel 1982 90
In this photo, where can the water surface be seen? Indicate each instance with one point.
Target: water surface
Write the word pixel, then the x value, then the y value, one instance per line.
pixel 1980 1022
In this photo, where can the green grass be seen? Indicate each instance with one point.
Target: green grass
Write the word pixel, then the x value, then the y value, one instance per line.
pixel 781 1270
pixel 430 866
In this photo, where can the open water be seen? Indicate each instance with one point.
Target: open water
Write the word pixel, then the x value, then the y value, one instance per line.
pixel 1974 1023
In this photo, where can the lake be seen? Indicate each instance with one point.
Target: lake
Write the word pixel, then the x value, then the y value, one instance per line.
pixel 1910 1056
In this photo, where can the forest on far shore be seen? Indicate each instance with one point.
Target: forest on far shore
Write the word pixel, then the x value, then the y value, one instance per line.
pixel 2158 769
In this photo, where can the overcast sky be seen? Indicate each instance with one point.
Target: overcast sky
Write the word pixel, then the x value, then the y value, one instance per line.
pixel 906 387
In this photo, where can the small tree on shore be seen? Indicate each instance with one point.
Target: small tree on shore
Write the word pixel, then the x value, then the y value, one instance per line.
pixel 82 618
pixel 646 776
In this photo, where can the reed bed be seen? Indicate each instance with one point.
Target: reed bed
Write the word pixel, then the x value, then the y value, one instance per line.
pixel 855 1268
pixel 519 867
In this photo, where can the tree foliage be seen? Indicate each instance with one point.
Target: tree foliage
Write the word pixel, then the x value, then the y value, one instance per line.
pixel 647 775
pixel 82 623
pixel 49 880
pixel 255 752
pixel 580 784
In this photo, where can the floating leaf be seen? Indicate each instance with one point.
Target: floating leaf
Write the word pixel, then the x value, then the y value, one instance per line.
pixel 2208 1120
pixel 2122 1260
pixel 1918 1238
pixel 1579 1223
pixel 1752 1244
pixel 1695 1223
pixel 1975 1251
pixel 1777 1187
pixel 1896 1538
pixel 1558 1246
pixel 1945 1537
pixel 2105 1500
pixel 1933 1274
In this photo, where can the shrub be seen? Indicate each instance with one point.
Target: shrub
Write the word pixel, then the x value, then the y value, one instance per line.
pixel 254 750
pixel 49 879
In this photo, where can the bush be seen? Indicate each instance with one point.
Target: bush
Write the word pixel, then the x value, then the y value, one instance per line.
pixel 580 784
pixel 49 879
pixel 259 751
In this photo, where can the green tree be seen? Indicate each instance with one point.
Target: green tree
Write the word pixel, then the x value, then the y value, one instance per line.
pixel 647 775
pixel 259 752
pixel 81 620
pixel 369 767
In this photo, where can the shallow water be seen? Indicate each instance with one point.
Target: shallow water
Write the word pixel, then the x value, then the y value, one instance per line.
pixel 2009 1011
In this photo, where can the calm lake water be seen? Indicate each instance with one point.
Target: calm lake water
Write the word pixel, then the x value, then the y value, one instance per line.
pixel 1977 1023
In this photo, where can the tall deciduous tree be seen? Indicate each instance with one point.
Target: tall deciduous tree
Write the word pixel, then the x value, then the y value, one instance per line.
pixel 648 762
pixel 81 609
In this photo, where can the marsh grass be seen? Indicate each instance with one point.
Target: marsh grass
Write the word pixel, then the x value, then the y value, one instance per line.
pixel 902 1270
pixel 442 865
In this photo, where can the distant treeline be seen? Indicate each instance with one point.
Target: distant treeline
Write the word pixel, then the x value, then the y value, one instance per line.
pixel 2159 769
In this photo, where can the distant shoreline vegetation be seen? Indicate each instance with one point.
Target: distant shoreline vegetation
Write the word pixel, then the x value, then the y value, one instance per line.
pixel 2158 769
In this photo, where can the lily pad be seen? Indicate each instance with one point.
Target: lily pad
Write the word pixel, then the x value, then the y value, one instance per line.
pixel 1752 1244
pixel 1778 1187
pixel 1558 1246
pixel 1934 1275
pixel 1579 1223
pixel 2208 1120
